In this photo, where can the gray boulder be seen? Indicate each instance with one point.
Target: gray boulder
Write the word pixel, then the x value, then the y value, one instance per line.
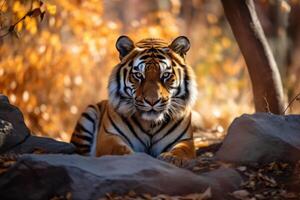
pixel 15 137
pixel 13 130
pixel 262 138
pixel 44 176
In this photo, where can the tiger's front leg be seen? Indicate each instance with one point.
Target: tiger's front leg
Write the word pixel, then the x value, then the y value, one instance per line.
pixel 180 153
pixel 110 144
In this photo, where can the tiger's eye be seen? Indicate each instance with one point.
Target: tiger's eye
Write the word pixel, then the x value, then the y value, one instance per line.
pixel 138 75
pixel 166 75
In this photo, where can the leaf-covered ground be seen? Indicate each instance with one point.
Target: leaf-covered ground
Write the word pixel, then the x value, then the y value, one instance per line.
pixel 276 180
pixel 272 181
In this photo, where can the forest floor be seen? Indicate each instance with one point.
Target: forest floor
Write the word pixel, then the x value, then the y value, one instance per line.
pixel 275 180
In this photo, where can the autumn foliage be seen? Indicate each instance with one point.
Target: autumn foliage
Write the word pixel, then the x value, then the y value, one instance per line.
pixel 57 60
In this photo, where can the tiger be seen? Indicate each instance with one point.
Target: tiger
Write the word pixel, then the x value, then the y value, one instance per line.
pixel 151 93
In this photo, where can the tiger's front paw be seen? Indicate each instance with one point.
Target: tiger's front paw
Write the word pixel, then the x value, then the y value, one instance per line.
pixel 121 150
pixel 173 159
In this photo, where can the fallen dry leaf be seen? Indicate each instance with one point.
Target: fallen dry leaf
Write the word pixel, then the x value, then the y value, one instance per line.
pixel 241 194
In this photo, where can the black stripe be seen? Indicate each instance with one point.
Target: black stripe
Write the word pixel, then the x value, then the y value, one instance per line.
pixel 152 50
pixel 123 136
pixel 123 98
pixel 164 125
pixel 118 77
pixel 101 111
pixel 143 52
pixel 92 106
pixel 84 137
pixel 161 128
pixel 178 138
pixel 135 121
pixel 132 130
pixel 178 91
pixel 160 56
pixel 169 131
pixel 79 128
pixel 119 102
pixel 172 87
pixel 161 51
pixel 119 130
pixel 88 117
pixel 131 63
pixel 186 79
pixel 179 78
pixel 144 57
pixel 161 61
pixel 124 79
pixel 99 106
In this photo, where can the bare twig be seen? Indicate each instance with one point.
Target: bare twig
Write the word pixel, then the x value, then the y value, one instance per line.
pixel 30 13
pixel 267 105
pixel 291 102
pixel 12 27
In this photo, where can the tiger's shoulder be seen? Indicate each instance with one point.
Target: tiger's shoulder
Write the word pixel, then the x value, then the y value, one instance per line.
pixel 86 129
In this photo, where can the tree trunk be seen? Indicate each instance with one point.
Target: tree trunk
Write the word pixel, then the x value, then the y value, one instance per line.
pixel 279 41
pixel 262 68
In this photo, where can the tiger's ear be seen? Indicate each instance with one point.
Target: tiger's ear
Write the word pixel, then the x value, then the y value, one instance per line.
pixel 124 45
pixel 180 45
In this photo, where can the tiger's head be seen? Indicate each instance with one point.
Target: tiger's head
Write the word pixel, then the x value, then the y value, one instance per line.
pixel 152 79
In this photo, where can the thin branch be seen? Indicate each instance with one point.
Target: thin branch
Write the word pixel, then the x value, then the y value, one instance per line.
pixel 291 102
pixel 21 19
pixel 29 13
pixel 11 28
pixel 267 105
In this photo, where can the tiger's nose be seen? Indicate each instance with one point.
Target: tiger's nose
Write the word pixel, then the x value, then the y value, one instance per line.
pixel 152 101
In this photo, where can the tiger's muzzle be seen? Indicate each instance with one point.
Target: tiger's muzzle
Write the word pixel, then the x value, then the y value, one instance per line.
pixel 152 109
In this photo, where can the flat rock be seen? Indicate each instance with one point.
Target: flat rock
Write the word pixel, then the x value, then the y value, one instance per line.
pixel 91 178
pixel 262 138
pixel 35 144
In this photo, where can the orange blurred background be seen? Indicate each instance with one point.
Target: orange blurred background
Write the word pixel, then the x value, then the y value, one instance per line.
pixel 53 68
